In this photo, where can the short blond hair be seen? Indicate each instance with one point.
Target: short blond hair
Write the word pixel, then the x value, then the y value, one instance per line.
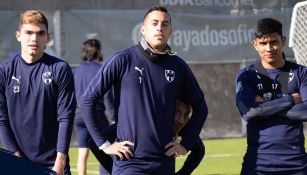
pixel 33 17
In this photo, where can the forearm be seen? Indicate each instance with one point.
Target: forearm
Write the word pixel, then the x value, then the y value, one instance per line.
pixel 60 163
pixel 194 158
pixel 60 159
pixel 8 138
pixel 253 111
pixel 297 112
pixel 92 121
pixel 194 126
pixel 66 106
pixel 64 136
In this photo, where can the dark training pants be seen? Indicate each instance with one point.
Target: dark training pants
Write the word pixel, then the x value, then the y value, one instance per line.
pixel 144 167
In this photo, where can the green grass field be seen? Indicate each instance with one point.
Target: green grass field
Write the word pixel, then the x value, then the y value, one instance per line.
pixel 223 156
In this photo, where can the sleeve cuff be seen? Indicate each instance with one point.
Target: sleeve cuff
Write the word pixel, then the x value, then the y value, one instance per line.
pixel 104 145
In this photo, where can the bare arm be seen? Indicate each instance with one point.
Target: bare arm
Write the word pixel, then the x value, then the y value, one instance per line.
pixel 60 163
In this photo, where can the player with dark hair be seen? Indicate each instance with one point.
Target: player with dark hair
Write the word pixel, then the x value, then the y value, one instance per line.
pixel 182 116
pixel 271 96
pixel 91 50
pixel 146 79
pixel 91 55
pixel 197 153
pixel 37 99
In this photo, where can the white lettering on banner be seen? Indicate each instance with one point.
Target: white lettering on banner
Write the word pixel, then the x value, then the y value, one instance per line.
pixel 187 39
pixel 221 3
pixel 177 2
pixel 210 37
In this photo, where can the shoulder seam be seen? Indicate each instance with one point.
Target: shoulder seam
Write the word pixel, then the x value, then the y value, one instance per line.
pixel 113 58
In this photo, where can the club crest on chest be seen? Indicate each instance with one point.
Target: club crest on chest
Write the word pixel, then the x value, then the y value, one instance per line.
pixel 47 77
pixel 170 75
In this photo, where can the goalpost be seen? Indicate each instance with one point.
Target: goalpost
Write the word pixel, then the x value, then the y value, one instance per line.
pixel 298 32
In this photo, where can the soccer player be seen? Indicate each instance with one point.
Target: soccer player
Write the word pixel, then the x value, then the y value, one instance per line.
pixel 182 116
pixel 37 99
pixel 197 153
pixel 272 97
pixel 91 55
pixel 146 79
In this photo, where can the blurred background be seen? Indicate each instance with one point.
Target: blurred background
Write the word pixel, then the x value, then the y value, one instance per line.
pixel 212 36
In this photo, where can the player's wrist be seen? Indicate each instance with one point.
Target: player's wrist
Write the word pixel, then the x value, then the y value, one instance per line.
pixel 292 99
pixel 104 145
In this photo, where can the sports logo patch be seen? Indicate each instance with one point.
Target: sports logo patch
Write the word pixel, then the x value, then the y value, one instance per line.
pixel 239 87
pixel 170 75
pixel 47 77
pixel 16 79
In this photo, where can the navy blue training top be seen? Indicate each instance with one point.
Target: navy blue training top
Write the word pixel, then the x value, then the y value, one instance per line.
pixel 145 93
pixel 83 76
pixel 37 107
pixel 274 127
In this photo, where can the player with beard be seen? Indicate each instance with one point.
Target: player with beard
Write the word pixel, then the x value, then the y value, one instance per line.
pixel 146 78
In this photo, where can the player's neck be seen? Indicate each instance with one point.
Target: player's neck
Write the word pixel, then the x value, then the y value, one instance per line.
pixel 31 58
pixel 273 65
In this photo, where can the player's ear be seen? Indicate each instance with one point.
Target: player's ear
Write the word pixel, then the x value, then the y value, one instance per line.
pixel 254 43
pixel 283 40
pixel 48 36
pixel 142 29
pixel 17 35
